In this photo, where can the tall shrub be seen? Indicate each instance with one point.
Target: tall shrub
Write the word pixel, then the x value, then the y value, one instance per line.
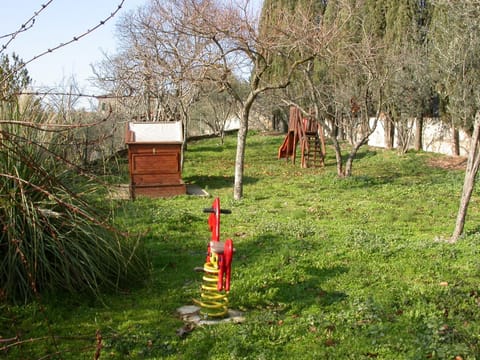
pixel 52 237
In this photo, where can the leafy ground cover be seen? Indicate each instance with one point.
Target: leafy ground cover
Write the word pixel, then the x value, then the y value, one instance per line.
pixel 325 268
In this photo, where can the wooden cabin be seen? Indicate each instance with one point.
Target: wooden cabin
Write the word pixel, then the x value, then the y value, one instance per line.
pixel 154 158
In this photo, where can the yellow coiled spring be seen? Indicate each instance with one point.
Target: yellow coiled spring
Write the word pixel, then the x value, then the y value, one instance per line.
pixel 213 303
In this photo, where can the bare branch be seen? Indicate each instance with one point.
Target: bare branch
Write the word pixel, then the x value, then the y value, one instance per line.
pixel 24 27
pixel 61 45
pixel 59 93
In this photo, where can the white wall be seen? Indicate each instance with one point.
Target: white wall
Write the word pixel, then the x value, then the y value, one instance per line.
pixel 437 137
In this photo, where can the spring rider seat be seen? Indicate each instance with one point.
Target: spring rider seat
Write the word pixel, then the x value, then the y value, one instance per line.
pixel 217 268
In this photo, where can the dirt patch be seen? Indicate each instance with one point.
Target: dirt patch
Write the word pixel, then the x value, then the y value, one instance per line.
pixel 119 192
pixel 449 162
pixel 122 191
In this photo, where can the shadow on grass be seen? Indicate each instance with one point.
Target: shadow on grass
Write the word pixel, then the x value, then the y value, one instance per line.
pixel 308 291
pixel 288 278
pixel 473 231
pixel 212 148
pixel 362 154
pixel 216 181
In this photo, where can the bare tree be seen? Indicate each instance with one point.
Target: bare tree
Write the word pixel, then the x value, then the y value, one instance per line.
pixel 455 49
pixel 345 80
pixel 214 110
pixel 471 171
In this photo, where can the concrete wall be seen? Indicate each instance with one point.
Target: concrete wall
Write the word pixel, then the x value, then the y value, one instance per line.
pixel 437 137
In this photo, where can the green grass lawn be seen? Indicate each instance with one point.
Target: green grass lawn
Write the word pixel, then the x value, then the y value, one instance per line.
pixel 325 268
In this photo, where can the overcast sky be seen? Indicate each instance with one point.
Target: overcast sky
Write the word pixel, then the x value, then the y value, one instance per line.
pixel 59 23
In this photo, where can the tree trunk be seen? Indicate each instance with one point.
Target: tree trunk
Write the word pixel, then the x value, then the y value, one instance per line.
pixel 469 182
pixel 184 143
pixel 222 137
pixel 276 120
pixel 455 142
pixel 389 133
pixel 241 144
pixel 240 157
pixel 357 145
pixel 351 156
pixel 338 156
pixel 419 134
pixel 336 130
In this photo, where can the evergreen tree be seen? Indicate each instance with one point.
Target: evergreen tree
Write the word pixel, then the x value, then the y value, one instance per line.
pixel 279 15
pixel 454 60
pixel 13 77
pixel 409 90
pixel 375 18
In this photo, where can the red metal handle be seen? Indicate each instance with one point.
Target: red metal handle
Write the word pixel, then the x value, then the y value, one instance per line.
pixel 227 260
pixel 214 220
pixel 213 223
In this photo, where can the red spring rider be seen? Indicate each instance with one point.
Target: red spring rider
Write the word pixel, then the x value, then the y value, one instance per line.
pixel 217 267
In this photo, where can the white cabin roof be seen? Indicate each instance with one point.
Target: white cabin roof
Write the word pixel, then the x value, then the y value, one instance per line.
pixel 156 132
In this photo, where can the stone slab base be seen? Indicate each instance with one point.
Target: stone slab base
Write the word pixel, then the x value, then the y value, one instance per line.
pixel 191 314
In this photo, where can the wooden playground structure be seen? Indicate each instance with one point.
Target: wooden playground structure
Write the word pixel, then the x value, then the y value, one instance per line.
pixel 307 132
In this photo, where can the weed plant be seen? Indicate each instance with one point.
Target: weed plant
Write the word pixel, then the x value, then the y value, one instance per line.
pixel 53 238
pixel 325 268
